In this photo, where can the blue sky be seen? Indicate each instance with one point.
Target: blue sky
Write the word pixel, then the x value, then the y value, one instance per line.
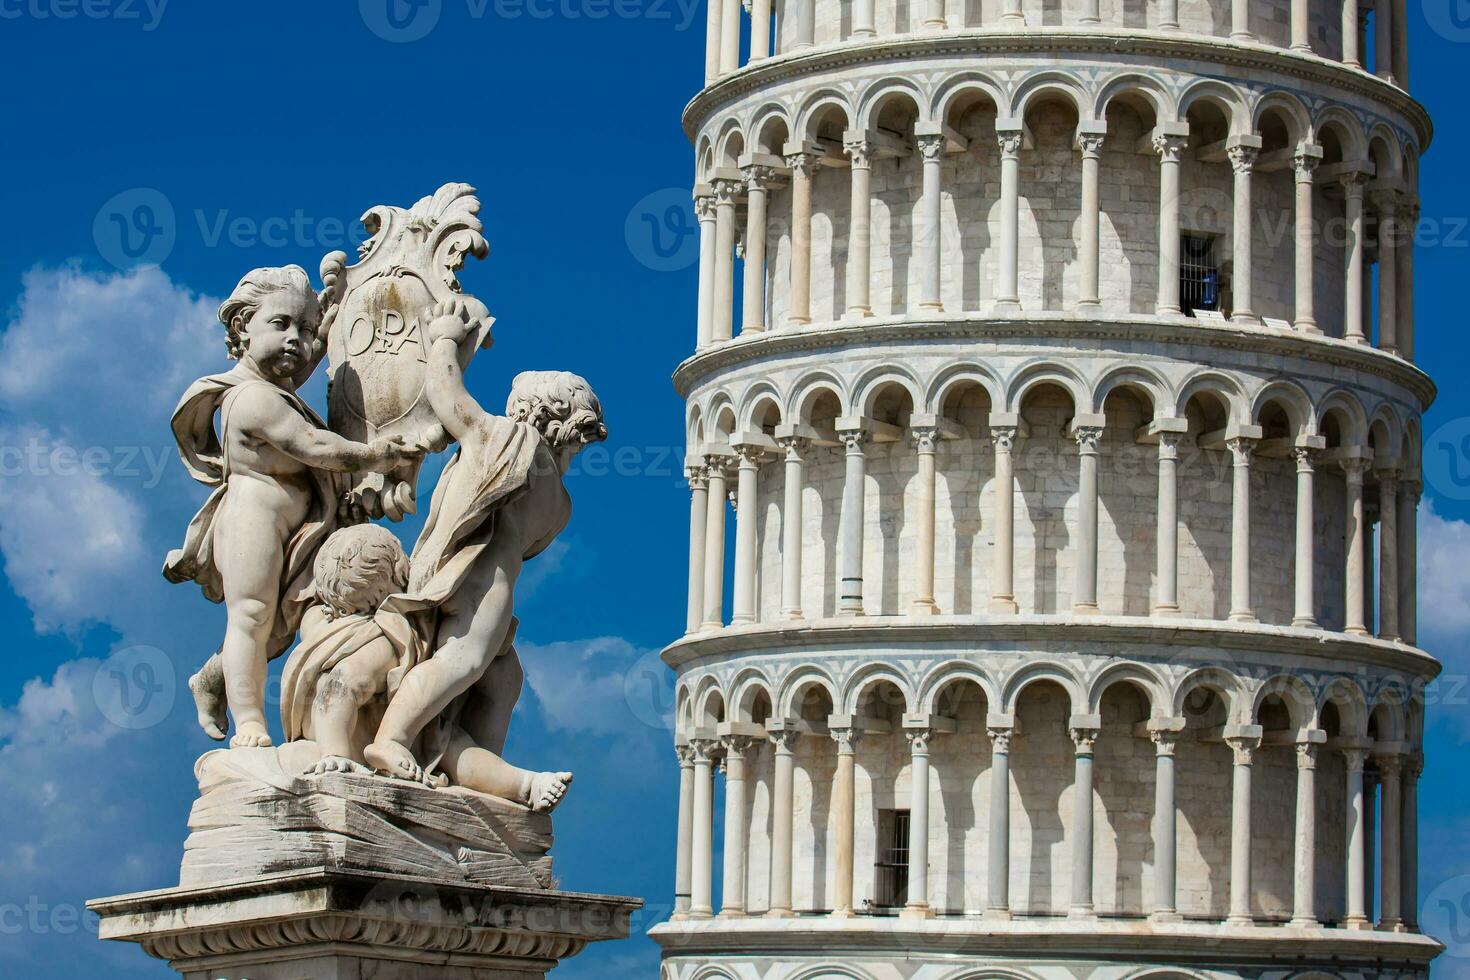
pixel 255 134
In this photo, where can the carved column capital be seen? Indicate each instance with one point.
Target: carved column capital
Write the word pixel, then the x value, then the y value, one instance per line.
pixel 685 755
pixel 860 153
pixel 1083 739
pixel 1242 158
pixel 846 737
pixel 1353 468
pixel 784 740
pixel 1241 448
pixel 736 746
pixel 925 438
pixel 1389 764
pixel 1305 457
pixel 704 207
pixel 803 163
pixel 1088 437
pixel 1170 148
pixel 1355 759
pixel 918 739
pixel 1003 437
pixel 728 190
pixel 1164 742
pixel 706 750
pixel 931 147
pixel 758 177
pixel 1090 144
pixel 1243 747
pixel 1000 738
pixel 1304 165
pixel 1010 143
pixel 1353 183
pixel 794 448
pixel 1169 444
pixel 698 477
pixel 1306 755
pixel 854 440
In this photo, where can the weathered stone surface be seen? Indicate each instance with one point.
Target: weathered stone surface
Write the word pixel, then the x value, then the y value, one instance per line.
pixel 257 815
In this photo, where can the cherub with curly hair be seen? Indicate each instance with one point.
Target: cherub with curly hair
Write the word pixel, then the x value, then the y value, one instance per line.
pixel 500 502
pixel 274 467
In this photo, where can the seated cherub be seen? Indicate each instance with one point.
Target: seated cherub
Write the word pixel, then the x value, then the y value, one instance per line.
pixel 352 654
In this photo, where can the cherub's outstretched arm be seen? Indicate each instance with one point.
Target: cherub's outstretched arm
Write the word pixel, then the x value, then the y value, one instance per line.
pixel 444 385
pixel 266 417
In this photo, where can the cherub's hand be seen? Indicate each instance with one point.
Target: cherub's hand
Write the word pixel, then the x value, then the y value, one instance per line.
pixel 449 320
pixel 396 449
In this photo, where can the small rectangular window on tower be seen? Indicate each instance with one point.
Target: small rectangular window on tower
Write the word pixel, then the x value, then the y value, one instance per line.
pixel 891 873
pixel 1199 273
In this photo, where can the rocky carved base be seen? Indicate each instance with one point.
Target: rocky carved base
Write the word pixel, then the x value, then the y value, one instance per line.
pixel 323 924
pixel 258 815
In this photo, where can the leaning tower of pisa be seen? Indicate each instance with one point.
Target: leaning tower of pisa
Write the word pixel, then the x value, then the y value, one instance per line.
pixel 1057 358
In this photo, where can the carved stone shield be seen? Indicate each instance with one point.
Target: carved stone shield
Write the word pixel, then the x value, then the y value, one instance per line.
pixel 375 315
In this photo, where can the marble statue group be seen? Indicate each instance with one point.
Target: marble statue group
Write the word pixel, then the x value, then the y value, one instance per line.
pixel 398 665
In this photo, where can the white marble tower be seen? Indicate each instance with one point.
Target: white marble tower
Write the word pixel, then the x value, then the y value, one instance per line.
pixel 1057 356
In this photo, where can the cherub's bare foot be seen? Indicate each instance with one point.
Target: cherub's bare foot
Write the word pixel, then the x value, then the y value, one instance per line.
pixel 209 702
pixel 250 735
pixel 434 779
pixel 336 763
pixel 548 789
pixel 392 759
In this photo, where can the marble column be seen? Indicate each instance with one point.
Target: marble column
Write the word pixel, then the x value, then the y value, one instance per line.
pixel 928 238
pixel 1407 223
pixel 1401 43
pixel 1007 289
pixel 1409 493
pixel 934 16
pixel 1301 26
pixel 1166 603
pixel 760 31
pixel 729 36
pixel 1383 31
pixel 714 11
pixel 1169 15
pixel 684 849
pixel 926 444
pixel 1355 617
pixel 1370 837
pixel 718 475
pixel 747 512
pixel 1352 188
pixel 1084 593
pixel 1389 828
pixel 844 815
pixel 1351 53
pixel 1170 148
pixel 1304 166
pixel 917 903
pixel 1241 610
pixel 1304 887
pixel 1386 203
pixel 1243 163
pixel 859 234
pixel 726 193
pixel 1356 916
pixel 732 905
pixel 1388 554
pixel 1240 21
pixel 1409 844
pixel 1087 251
pixel 704 211
pixel 852 518
pixel 998 903
pixel 803 167
pixel 1243 747
pixel 1164 826
pixel 806 24
pixel 1083 740
pixel 1305 614
pixel 1012 17
pixel 794 450
pixel 782 819
pixel 1091 13
pixel 1003 519
pixel 698 529
pixel 701 851
pixel 758 181
pixel 863 20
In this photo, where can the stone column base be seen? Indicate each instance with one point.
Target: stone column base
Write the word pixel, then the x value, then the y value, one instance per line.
pixel 322 924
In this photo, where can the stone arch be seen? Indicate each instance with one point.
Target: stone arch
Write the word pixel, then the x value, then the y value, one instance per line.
pixel 763 129
pixel 1385 431
pixel 944 383
pixel 747 686
pixel 872 382
pixel 1139 675
pixel 683 710
pixel 759 397
pixel 721 419
pixel 832 972
pixel 1351 703
pixel 953 672
pixel 1300 703
pixel 711 972
pixel 1133 376
pixel 1343 406
pixel 1293 401
pixel 704 158
pixel 1041 671
pixel 1224 96
pixel 1346 128
pixel 693 429
pixel 1037 372
pixel 1215 679
pixel 1385 151
pixel 880 93
pixel 798 683
pixel 865 678
pixel 709 703
pixel 1290 110
pixel 1216 383
pixel 1387 711
pixel 806 392
pixel 730 144
pixel 1169 973
pixel 965 83
pixel 990 973
pixel 1413 445
pixel 1132 84
pixel 818 105
pixel 1046 83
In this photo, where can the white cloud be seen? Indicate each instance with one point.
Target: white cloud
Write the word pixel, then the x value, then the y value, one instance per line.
pixel 1444 588
pixel 583 685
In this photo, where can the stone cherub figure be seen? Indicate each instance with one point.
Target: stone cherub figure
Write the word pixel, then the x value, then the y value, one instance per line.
pixel 354 653
pixel 500 501
pixel 274 466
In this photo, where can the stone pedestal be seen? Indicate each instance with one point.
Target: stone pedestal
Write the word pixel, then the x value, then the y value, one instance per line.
pixel 324 924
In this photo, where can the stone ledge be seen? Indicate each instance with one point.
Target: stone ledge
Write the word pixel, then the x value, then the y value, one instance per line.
pixel 1050 42
pixel 1167 333
pixel 968 631
pixel 1052 938
pixel 321 914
